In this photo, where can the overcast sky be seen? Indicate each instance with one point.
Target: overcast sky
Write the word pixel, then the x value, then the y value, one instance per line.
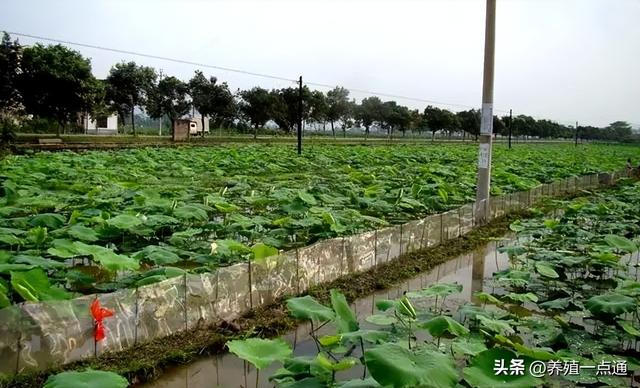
pixel 567 60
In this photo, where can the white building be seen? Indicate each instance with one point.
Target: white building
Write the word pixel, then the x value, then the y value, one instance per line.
pixel 195 127
pixel 102 125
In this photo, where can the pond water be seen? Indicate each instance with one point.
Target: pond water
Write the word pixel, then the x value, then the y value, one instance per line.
pixel 226 370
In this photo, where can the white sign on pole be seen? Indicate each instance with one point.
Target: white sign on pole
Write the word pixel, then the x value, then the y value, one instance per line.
pixel 486 126
pixel 483 156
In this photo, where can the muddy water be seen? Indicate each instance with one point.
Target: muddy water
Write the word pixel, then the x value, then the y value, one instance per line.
pixel 226 370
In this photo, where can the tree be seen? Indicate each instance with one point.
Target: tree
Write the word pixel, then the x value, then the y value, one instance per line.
pixel 170 98
pixel 211 99
pixel 128 86
pixel 10 101
pixel 368 112
pixel 416 121
pixel 499 125
pixel 438 119
pixel 338 106
pixel 347 117
pixel 470 121
pixel 100 107
pixel 318 108
pixel 256 106
pixel 523 125
pixel 284 110
pixel 395 116
pixel 56 82
pixel 618 131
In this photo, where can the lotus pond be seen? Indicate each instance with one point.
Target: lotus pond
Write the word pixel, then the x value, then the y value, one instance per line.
pixel 98 221
pixel 567 302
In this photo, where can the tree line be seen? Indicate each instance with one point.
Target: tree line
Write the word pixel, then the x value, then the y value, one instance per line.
pixel 56 82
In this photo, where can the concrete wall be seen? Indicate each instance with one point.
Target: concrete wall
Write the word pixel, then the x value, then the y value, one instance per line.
pixel 181 129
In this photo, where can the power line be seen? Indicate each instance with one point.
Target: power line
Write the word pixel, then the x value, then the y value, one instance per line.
pixel 153 56
pixel 392 95
pixel 245 72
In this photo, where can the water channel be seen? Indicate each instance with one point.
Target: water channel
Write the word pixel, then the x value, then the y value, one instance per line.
pixel 228 371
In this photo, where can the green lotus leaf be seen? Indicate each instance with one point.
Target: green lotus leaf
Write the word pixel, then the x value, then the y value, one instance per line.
pixel 438 289
pixel 468 346
pixel 4 299
pixel 6 268
pixel 14 231
pixel 609 304
pixel 621 243
pixel 115 262
pixel 262 251
pixel 516 226
pixel 124 221
pixel 83 233
pixel 225 208
pixel 629 329
pixel 495 325
pixel 150 280
pixel 190 212
pixel 546 270
pixel 482 373
pixel 158 255
pixel 343 364
pixel 629 287
pixel 49 220
pixel 486 298
pixel 443 326
pixel 345 318
pixel 229 248
pixel 392 365
pixel 535 353
pixel 369 382
pixel 33 285
pixel 556 304
pixel 37 235
pixel 307 198
pixel 372 336
pixel 38 261
pixel 381 319
pixel 260 352
pixel 513 277
pixel 512 250
pixel 63 248
pixel 329 340
pixel 306 307
pixel 10 239
pixel 87 379
pixel 522 298
pixel 385 304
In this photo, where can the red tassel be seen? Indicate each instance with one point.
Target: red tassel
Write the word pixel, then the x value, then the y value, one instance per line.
pixel 99 314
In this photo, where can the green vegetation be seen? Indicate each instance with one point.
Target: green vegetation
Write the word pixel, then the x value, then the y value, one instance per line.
pixel 570 294
pixel 87 379
pixel 106 220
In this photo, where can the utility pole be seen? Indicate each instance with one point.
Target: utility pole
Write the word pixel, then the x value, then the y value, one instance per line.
pixel 300 116
pixel 486 126
pixel 510 120
pixel 160 119
pixel 576 142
